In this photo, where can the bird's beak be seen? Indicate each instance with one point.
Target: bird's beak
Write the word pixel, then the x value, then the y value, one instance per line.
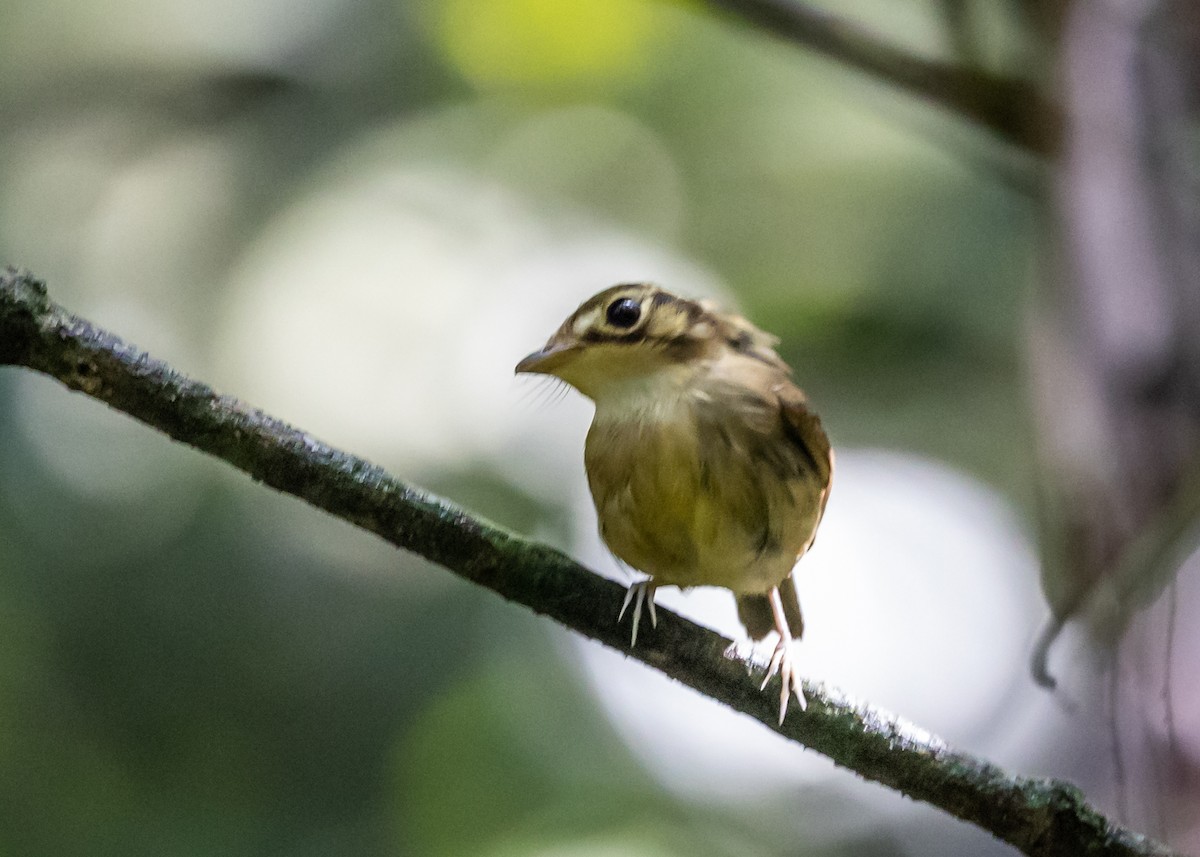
pixel 545 361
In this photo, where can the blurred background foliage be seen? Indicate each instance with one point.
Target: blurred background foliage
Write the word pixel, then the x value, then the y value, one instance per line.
pixel 358 215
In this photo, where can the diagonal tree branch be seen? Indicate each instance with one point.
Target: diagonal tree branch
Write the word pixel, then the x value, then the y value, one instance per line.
pixel 1040 817
pixel 1011 108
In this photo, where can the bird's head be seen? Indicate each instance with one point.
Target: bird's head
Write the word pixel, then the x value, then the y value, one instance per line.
pixel 623 334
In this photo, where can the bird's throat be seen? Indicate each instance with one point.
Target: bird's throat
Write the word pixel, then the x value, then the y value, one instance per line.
pixel 666 396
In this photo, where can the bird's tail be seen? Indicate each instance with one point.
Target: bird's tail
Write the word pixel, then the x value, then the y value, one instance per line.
pixel 754 611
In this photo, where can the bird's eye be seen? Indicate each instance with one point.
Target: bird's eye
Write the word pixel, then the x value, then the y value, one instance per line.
pixel 624 312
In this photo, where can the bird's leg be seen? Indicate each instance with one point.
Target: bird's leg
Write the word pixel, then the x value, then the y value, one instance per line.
pixel 781 659
pixel 639 593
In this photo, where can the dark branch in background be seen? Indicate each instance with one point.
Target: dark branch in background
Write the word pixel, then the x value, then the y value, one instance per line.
pixel 1011 108
pixel 1040 817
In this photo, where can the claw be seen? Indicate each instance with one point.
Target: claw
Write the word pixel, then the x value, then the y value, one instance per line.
pixel 781 663
pixel 624 604
pixel 742 651
pixel 781 660
pixel 638 594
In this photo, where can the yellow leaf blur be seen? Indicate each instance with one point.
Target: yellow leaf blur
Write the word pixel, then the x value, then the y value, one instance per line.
pixel 504 42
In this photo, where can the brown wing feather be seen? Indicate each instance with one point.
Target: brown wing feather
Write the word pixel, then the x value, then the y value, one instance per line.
pixel 803 428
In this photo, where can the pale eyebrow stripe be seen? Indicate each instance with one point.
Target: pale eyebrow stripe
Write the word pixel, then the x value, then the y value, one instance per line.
pixel 584 322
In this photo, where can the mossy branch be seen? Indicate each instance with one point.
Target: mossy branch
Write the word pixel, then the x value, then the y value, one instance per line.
pixel 1040 817
pixel 1011 108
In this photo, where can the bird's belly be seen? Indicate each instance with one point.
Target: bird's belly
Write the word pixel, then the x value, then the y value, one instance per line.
pixel 688 520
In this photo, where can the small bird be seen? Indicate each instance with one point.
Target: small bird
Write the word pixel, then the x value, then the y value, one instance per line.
pixel 705 463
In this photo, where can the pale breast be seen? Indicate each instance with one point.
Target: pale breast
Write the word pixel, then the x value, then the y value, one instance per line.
pixel 701 495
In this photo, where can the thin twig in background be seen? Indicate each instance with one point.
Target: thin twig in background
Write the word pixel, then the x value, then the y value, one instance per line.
pixel 1040 817
pixel 1012 109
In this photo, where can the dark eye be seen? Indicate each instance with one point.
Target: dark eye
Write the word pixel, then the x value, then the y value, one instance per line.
pixel 624 312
